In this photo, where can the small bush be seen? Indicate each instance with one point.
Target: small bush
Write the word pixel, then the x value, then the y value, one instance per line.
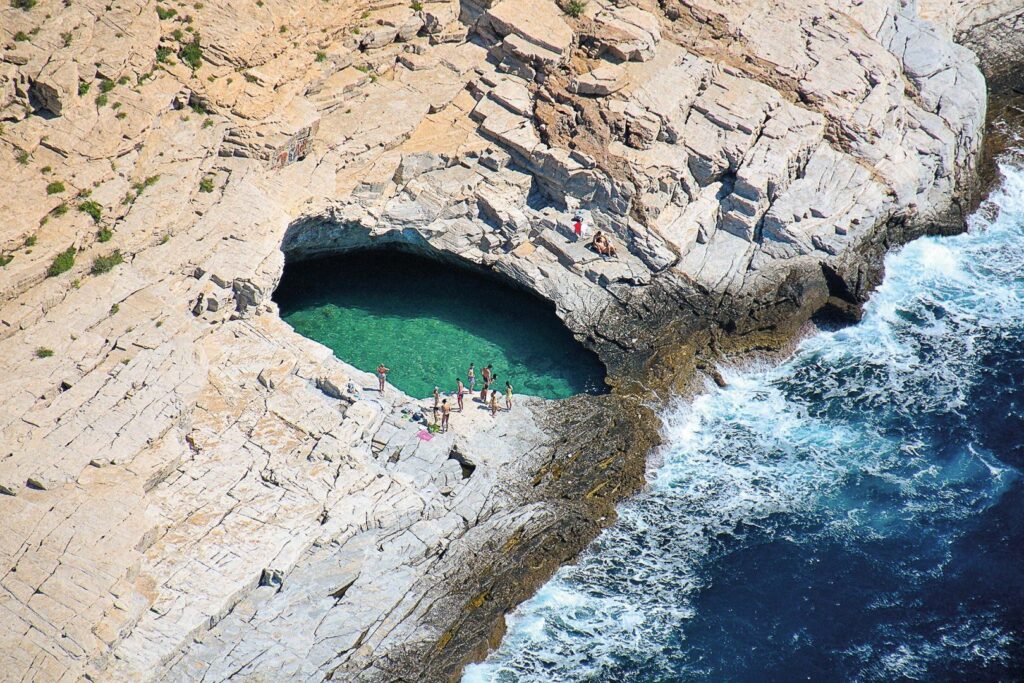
pixel 62 263
pixel 83 88
pixel 417 6
pixel 574 8
pixel 59 210
pixel 43 352
pixel 114 309
pixel 104 264
pixel 143 184
pixel 5 259
pixel 106 85
pixel 321 56
pixel 178 34
pixel 207 123
pixel 206 184
pixel 93 209
pixel 22 157
pixel 20 37
pixel 283 29
pixel 165 12
pixel 31 240
pixel 121 115
pixel 25 5
pixel 162 53
pixel 67 37
pixel 123 80
pixel 56 187
pixel 101 100
pixel 46 170
pixel 104 235
pixel 192 53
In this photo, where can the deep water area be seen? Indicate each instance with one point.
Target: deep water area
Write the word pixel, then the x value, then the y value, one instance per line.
pixel 854 513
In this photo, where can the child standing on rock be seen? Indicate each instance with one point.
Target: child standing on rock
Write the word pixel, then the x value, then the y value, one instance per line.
pixel 446 411
pixel 494 403
pixel 508 395
pixel 471 376
pixel 460 390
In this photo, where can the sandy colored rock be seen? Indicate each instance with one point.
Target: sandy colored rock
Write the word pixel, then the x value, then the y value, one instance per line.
pixel 188 487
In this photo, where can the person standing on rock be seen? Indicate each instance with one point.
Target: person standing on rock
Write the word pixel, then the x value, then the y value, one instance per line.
pixel 382 376
pixel 460 391
pixel 487 382
pixel 508 395
pixel 494 403
pixel 446 411
pixel 437 398
pixel 471 376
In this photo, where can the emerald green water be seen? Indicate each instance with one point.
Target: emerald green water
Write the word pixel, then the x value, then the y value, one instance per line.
pixel 428 321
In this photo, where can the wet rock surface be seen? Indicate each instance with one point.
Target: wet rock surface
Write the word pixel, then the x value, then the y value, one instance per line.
pixel 189 490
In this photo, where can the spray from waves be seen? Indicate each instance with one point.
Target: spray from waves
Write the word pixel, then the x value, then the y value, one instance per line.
pixel 865 447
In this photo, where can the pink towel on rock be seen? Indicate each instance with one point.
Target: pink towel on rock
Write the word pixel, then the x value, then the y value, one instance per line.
pixel 425 435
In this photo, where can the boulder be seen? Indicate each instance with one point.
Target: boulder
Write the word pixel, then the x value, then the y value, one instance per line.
pixel 629 33
pixel 604 80
pixel 56 86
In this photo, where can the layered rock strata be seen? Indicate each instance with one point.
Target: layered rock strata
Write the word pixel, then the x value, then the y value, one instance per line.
pixel 190 490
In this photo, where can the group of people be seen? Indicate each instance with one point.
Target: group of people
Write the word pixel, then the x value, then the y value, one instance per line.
pixel 601 243
pixel 442 409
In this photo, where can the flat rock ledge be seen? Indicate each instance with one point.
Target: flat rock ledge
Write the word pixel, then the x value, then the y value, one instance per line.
pixel 191 491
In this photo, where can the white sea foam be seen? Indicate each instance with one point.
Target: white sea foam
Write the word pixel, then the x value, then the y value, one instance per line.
pixel 821 438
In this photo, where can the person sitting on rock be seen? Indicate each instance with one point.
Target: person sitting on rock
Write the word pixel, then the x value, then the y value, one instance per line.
pixel 602 245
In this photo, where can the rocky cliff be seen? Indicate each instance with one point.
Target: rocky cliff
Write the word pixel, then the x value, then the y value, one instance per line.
pixel 189 490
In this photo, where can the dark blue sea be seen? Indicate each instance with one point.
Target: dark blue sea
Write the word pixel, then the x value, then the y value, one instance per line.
pixel 855 513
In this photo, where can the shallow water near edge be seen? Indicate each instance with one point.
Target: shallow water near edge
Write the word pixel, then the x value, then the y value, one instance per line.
pixel 427 321
pixel 856 513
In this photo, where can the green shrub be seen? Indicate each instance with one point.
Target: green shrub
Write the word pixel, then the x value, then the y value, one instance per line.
pixel 67 37
pixel 25 5
pixel 192 53
pixel 56 187
pixel 101 100
pixel 83 88
pixel 417 6
pixel 20 37
pixel 22 157
pixel 207 123
pixel 165 12
pixel 143 184
pixel 31 240
pixel 106 85
pixel 178 34
pixel 114 309
pixel 93 209
pixel 162 53
pixel 123 80
pixel 206 184
pixel 321 56
pixel 62 263
pixel 104 235
pixel 43 352
pixel 45 170
pixel 574 8
pixel 5 259
pixel 104 264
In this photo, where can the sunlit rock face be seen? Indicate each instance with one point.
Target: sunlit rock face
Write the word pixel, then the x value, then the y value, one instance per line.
pixel 172 452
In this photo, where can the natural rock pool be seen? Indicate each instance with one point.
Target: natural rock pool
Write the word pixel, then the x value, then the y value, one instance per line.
pixel 428 320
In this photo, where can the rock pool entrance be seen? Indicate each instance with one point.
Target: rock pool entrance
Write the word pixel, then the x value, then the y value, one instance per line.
pixel 428 320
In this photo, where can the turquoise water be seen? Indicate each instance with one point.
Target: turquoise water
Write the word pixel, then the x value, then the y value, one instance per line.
pixel 428 321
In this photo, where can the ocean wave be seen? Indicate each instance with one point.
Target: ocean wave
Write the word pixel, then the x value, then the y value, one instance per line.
pixel 861 457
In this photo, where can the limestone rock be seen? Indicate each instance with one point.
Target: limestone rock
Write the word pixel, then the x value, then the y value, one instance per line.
pixel 56 86
pixel 604 80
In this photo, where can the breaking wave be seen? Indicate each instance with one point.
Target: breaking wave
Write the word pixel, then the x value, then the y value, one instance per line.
pixel 856 512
